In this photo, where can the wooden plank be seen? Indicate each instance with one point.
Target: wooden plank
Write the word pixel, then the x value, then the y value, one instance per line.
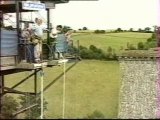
pixel 31 65
pixel 7 61
pixel 7 68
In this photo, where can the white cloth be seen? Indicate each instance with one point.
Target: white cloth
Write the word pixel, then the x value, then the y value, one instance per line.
pixel 37 51
pixel 38 30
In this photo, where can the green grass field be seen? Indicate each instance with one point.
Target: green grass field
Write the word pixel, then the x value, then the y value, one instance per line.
pixel 115 40
pixel 90 85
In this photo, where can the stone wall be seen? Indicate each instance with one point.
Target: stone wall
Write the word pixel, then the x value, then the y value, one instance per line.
pixel 138 96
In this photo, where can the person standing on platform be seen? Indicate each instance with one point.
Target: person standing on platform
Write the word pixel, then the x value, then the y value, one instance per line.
pixel 37 39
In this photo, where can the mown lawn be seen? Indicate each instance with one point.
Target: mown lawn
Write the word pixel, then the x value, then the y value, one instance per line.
pixel 115 40
pixel 90 85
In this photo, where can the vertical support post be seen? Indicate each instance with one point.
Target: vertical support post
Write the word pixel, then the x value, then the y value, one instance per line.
pixel 1 24
pixel 42 75
pixel 48 26
pixel 1 77
pixel 64 90
pixel 17 25
pixel 35 82
pixel 1 93
pixel 48 32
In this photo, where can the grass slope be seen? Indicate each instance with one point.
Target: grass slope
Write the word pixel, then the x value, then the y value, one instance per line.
pixel 115 40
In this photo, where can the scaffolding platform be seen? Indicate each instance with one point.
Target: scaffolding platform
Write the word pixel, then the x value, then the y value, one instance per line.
pixel 31 66
pixel 2 68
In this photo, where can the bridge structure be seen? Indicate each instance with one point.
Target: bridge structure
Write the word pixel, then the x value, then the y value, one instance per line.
pixel 12 49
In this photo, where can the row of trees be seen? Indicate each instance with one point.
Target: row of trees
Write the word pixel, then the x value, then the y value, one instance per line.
pixel 146 30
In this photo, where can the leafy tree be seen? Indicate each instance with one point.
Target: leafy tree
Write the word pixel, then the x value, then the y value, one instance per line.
pixel 102 31
pixel 155 27
pixel 66 28
pixel 131 29
pixel 96 31
pixel 147 29
pixel 85 28
pixel 119 30
pixel 140 30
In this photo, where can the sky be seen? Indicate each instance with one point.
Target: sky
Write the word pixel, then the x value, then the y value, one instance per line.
pixel 106 14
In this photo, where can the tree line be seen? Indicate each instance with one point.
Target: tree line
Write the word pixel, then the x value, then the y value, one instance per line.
pixel 145 30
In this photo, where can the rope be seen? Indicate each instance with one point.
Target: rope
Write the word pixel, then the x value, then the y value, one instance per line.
pixel 64 88
pixel 42 81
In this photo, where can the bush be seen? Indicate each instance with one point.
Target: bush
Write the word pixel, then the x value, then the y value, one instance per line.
pixel 96 31
pixel 95 53
pixel 140 46
pixel 34 112
pixel 95 49
pixel 149 39
pixel 96 115
pixel 10 106
pixel 153 36
pixel 109 49
pixel 102 31
pixel 151 42
pixel 130 46
pixel 86 54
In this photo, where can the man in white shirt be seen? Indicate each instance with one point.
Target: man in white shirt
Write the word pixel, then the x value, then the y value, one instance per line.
pixel 38 29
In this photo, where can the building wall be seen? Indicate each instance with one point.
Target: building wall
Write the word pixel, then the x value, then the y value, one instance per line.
pixel 8 43
pixel 138 92
pixel 8 48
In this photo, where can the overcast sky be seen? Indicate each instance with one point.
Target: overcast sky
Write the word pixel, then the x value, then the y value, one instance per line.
pixel 106 14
